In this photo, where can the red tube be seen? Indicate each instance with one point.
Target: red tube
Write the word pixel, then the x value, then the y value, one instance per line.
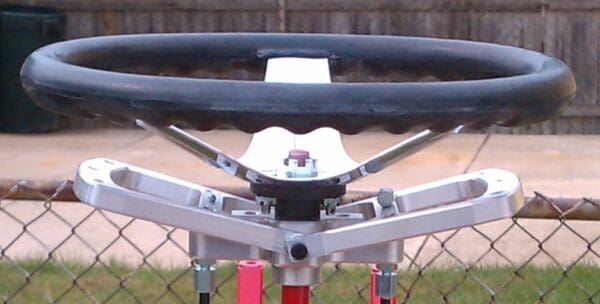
pixel 374 298
pixel 295 294
pixel 250 282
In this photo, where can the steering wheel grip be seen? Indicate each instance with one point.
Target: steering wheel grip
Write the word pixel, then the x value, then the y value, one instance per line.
pixel 514 86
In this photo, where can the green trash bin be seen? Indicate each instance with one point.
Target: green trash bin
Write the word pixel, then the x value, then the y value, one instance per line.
pixel 23 30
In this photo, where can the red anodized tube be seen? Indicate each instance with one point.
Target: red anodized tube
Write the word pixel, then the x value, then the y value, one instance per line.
pixel 250 282
pixel 295 294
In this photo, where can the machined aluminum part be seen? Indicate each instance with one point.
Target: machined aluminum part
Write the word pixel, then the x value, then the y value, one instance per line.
pixel 455 202
pixel 296 276
pixel 238 168
pixel 140 193
pixel 226 227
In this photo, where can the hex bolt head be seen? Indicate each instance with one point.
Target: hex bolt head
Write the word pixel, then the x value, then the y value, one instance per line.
pixel 299 251
pixel 385 197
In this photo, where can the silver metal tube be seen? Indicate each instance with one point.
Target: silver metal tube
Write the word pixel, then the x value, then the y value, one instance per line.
pixel 392 155
pixel 206 152
pixel 404 149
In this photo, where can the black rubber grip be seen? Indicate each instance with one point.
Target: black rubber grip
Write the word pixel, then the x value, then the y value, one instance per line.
pixel 515 86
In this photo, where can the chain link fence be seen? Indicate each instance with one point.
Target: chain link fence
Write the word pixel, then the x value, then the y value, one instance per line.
pixel 65 252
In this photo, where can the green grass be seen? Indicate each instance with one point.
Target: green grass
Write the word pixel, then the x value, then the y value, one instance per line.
pixel 52 281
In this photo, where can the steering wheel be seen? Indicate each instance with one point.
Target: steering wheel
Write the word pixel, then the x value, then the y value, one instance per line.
pixel 511 86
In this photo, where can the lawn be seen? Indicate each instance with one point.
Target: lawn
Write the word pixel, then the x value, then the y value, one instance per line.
pixel 115 282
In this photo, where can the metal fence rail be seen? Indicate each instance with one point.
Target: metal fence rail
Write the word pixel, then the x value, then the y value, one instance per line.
pixel 58 252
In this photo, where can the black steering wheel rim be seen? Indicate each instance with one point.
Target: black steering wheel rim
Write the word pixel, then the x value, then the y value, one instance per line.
pixel 528 87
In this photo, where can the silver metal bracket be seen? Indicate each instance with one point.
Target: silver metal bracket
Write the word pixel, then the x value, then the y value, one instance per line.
pixel 455 202
pixel 228 227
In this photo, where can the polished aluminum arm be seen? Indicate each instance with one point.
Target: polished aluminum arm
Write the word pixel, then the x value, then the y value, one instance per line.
pixel 455 202
pixel 144 194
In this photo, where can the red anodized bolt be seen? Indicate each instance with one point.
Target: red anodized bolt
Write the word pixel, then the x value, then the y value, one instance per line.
pixel 299 155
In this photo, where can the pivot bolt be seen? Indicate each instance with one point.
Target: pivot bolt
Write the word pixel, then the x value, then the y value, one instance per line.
pixel 299 251
pixel 385 197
